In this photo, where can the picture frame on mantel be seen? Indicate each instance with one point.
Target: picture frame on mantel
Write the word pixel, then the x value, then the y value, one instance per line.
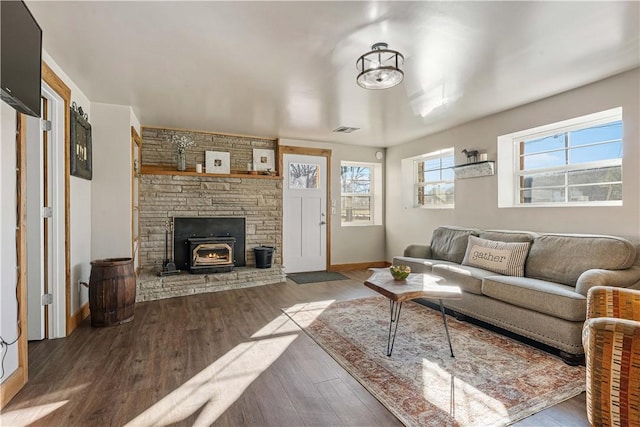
pixel 80 145
pixel 263 160
pixel 217 162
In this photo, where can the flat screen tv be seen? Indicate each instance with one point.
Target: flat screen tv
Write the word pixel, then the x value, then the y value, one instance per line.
pixel 20 57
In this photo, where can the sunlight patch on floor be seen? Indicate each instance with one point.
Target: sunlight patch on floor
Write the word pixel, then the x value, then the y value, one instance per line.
pixel 278 326
pixel 26 416
pixel 306 313
pixel 456 397
pixel 218 386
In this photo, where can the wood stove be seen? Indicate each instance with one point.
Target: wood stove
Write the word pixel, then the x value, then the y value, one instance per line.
pixel 211 254
pixel 189 232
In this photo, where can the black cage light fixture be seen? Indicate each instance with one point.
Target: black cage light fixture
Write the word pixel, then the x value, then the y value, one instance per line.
pixel 380 68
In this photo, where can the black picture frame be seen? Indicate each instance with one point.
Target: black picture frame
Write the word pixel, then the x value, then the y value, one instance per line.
pixel 80 153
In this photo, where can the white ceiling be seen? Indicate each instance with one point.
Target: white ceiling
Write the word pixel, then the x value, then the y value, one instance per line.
pixel 287 69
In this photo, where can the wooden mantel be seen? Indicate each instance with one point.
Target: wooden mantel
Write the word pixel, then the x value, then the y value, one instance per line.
pixel 168 170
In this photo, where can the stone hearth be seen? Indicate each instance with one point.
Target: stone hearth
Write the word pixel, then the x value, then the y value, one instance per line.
pixel 152 287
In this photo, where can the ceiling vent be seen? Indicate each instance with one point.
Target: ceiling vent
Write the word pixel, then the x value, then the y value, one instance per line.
pixel 344 129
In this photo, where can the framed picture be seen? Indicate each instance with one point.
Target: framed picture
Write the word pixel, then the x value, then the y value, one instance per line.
pixel 217 162
pixel 263 160
pixel 80 145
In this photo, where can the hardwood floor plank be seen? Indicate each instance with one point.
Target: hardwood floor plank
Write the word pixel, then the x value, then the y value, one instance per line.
pixel 351 409
pixel 227 358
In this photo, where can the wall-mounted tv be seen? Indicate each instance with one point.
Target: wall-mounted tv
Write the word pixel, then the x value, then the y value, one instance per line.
pixel 20 57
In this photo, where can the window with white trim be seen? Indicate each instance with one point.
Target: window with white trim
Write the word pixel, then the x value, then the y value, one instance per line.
pixel 433 180
pixel 361 199
pixel 569 163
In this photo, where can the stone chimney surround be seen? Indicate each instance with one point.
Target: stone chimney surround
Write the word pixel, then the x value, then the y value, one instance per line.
pixel 166 193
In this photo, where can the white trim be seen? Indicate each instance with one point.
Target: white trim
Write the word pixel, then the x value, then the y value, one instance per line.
pixel 439 154
pixel 375 194
pixel 508 157
pixel 57 310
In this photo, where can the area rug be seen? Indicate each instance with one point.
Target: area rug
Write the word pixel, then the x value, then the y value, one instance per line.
pixel 492 381
pixel 316 276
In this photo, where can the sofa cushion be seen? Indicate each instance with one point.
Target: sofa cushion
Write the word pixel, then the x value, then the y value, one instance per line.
pixel 418 265
pixel 506 258
pixel 562 258
pixel 450 243
pixel 508 235
pixel 545 297
pixel 469 279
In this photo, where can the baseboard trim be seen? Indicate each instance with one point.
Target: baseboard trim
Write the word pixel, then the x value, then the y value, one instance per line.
pixel 78 317
pixel 359 266
pixel 12 386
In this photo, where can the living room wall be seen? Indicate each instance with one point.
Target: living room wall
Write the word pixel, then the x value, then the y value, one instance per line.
pixel 111 183
pixel 476 199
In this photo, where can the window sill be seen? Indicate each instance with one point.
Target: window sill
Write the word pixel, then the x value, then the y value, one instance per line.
pixel 565 205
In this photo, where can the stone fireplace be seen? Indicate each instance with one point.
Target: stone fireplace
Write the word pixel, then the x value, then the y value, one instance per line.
pixel 240 206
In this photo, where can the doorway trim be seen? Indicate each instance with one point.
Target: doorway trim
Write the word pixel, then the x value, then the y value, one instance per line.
pixel 19 378
pixel 307 151
pixel 12 385
pixel 58 86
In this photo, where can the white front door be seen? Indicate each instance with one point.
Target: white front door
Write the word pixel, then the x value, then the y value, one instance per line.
pixel 305 213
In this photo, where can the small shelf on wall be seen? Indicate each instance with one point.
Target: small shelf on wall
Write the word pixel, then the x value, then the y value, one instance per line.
pixel 167 170
pixel 473 170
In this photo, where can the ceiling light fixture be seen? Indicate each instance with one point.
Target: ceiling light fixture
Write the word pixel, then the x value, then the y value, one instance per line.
pixel 380 68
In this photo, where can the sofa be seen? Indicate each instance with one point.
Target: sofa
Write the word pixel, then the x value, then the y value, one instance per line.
pixel 532 284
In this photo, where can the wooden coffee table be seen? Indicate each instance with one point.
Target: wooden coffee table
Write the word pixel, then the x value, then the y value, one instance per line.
pixel 427 286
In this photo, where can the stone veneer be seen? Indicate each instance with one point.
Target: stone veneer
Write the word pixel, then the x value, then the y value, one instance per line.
pixel 163 196
pixel 152 287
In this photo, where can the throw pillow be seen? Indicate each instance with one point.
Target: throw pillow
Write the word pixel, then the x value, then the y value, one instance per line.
pixel 499 257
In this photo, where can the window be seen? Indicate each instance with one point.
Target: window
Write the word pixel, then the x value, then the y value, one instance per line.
pixel 361 201
pixel 304 176
pixel 432 179
pixel 574 162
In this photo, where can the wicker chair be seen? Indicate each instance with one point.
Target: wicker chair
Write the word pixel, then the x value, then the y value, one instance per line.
pixel 611 339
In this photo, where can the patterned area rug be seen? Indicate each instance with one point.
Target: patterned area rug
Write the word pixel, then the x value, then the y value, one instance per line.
pixel 492 381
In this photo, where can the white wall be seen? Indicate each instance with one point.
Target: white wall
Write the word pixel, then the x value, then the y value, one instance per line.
pixel 476 201
pixel 111 185
pixel 9 311
pixel 353 244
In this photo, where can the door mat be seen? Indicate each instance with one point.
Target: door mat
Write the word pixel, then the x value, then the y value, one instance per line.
pixel 316 276
pixel 492 381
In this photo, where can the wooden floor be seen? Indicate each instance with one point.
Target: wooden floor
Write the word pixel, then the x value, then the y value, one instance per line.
pixel 226 358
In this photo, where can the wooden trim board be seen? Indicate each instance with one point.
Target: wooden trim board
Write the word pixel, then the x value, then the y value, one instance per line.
pixel 20 376
pixel 80 315
pixel 359 266
pixel 12 385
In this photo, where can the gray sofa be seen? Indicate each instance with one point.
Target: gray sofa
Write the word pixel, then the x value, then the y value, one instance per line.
pixel 548 302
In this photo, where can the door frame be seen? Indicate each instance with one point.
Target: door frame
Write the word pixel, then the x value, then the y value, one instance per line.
pixel 307 151
pixel 17 380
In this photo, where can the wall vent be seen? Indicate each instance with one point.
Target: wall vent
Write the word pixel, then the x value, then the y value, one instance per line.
pixel 344 129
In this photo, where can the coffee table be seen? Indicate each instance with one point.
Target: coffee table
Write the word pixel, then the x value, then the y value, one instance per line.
pixel 425 285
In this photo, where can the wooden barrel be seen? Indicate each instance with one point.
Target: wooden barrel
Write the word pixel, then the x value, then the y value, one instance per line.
pixel 112 291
